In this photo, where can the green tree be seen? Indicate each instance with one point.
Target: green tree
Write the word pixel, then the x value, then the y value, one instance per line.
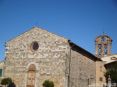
pixel 113 75
pixel 112 71
pixel 48 83
pixel 6 81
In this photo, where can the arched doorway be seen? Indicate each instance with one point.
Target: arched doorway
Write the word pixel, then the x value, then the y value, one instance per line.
pixel 31 76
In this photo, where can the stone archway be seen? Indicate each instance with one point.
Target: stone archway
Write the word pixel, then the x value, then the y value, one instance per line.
pixel 31 74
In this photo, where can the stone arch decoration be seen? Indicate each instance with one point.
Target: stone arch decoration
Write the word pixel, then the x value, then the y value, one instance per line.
pixel 31 74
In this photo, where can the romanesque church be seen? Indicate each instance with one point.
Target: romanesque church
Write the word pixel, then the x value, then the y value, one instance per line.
pixel 38 55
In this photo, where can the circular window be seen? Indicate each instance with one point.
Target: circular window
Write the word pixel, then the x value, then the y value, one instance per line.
pixel 35 46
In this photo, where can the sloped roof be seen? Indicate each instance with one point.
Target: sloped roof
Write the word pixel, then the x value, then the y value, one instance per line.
pixel 109 59
pixel 83 51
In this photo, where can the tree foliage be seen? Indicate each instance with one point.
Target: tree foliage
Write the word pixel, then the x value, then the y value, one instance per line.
pixel 112 71
pixel 113 75
pixel 6 81
pixel 48 83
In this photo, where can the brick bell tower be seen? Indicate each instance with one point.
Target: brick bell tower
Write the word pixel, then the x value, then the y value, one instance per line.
pixel 103 45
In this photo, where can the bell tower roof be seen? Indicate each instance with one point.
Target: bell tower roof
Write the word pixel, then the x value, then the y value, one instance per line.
pixel 103 36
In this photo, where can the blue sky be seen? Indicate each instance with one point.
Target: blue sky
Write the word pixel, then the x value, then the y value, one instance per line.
pixel 78 20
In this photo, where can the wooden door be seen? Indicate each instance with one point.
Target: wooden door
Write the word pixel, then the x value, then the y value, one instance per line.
pixel 31 76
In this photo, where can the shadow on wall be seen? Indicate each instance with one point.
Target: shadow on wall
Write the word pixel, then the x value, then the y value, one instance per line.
pixel 11 85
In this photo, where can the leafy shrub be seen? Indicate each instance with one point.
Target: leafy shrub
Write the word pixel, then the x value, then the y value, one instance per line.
pixel 6 81
pixel 48 83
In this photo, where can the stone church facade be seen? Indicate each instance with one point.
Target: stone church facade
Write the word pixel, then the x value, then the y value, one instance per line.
pixel 38 55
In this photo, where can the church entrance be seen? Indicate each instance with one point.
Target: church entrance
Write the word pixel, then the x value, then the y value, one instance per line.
pixel 31 76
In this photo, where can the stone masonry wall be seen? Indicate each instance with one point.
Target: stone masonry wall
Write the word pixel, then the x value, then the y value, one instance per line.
pixel 49 59
pixel 83 70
